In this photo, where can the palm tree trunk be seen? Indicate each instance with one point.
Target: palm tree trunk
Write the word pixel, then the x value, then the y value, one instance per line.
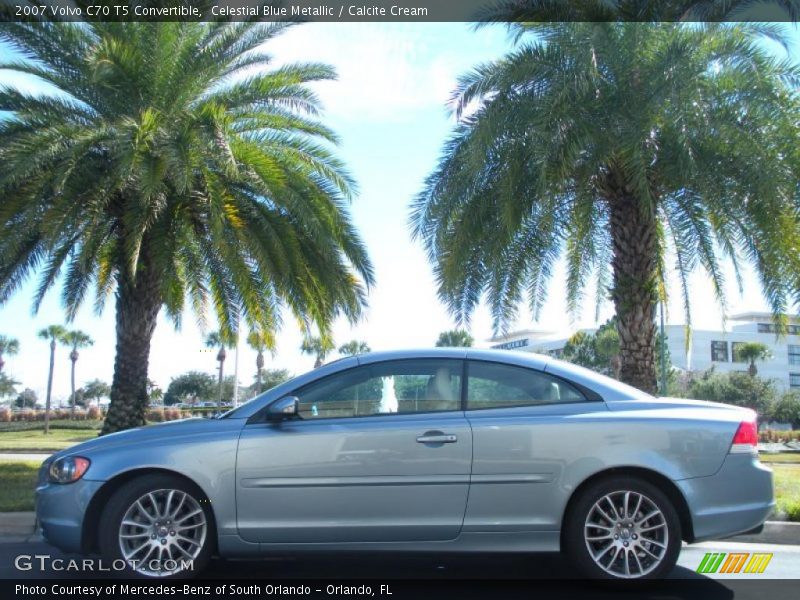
pixel 138 303
pixel 219 399
pixel 49 387
pixel 635 239
pixel 72 383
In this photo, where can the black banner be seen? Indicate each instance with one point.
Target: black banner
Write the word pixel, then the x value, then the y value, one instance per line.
pixel 687 589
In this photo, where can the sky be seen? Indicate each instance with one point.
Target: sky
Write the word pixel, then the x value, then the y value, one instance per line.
pixel 389 106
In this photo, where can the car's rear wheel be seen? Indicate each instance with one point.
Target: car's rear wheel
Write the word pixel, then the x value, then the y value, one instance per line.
pixel 158 526
pixel 623 528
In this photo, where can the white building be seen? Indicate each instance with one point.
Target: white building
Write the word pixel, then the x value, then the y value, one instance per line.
pixel 707 348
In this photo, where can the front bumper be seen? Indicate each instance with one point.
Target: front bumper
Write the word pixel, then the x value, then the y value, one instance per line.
pixel 61 509
pixel 736 499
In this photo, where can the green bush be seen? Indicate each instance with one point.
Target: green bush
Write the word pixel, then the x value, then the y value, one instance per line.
pixel 54 424
pixel 792 510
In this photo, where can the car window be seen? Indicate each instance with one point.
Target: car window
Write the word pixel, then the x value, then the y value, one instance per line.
pixel 495 385
pixel 406 386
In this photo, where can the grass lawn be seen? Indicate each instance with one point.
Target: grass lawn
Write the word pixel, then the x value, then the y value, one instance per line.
pixel 787 490
pixel 32 440
pixel 19 480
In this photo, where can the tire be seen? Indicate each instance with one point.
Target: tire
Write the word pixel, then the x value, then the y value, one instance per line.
pixel 644 548
pixel 167 516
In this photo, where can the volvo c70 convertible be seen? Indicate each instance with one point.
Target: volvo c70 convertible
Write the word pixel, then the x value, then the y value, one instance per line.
pixel 445 450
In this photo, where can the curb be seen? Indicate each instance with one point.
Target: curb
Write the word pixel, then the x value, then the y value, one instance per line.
pixel 775 532
pixel 22 525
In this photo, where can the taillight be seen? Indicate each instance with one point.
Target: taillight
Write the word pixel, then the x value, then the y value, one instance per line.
pixel 746 438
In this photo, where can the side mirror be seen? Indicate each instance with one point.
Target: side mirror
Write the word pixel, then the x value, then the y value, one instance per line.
pixel 284 408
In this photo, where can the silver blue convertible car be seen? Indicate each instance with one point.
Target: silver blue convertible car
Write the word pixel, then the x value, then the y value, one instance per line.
pixel 446 450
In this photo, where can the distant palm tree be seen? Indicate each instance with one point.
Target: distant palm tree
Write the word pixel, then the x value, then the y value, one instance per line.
pixel 173 162
pixel 318 347
pixel 8 347
pixel 55 335
pixel 218 339
pixel 354 348
pixel 155 394
pixel 260 340
pixel 454 338
pixel 8 386
pixel 751 352
pixel 75 339
pixel 618 146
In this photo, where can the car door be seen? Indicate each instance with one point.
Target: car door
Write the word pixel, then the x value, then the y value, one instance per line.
pixel 525 434
pixel 380 452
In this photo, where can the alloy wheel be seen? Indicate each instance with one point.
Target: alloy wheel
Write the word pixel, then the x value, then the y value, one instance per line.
pixel 162 532
pixel 626 534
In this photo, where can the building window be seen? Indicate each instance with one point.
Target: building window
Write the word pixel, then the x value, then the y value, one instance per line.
pixel 771 328
pixel 794 355
pixel 735 348
pixel 719 351
pixel 794 380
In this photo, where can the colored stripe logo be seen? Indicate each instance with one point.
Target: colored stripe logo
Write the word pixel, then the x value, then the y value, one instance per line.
pixel 735 562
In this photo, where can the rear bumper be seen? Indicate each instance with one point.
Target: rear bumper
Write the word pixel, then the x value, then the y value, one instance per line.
pixel 736 499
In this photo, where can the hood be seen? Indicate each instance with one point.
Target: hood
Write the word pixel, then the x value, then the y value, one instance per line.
pixel 152 434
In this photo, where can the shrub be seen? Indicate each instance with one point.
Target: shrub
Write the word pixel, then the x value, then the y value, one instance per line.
pixel 793 511
pixel 172 414
pixel 778 437
pixel 61 413
pixel 155 415
pixel 18 425
pixel 5 415
pixel 94 413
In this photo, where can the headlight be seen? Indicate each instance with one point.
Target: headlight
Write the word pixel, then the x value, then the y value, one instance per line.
pixel 68 469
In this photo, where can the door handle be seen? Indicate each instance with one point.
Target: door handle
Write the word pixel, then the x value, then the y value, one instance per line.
pixel 437 437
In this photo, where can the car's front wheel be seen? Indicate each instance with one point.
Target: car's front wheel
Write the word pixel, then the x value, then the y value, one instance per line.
pixel 157 526
pixel 623 528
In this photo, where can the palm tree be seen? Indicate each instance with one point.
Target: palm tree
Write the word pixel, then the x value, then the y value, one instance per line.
pixel 454 338
pixel 8 386
pixel 617 145
pixel 354 348
pixel 173 162
pixel 260 340
pixel 55 335
pixel 318 347
pixel 8 346
pixel 751 352
pixel 218 339
pixel 75 339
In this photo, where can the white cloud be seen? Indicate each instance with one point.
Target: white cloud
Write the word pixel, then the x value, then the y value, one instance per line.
pixel 386 71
